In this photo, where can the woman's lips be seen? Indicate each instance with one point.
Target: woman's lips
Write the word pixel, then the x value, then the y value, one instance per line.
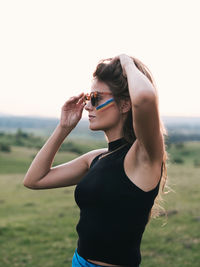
pixel 91 117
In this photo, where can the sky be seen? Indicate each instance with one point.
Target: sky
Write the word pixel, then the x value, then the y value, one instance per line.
pixel 49 50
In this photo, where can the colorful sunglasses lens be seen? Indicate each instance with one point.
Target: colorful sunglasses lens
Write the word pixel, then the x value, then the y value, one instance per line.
pixel 93 98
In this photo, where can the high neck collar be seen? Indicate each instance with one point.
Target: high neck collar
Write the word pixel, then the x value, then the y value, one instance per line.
pixel 116 143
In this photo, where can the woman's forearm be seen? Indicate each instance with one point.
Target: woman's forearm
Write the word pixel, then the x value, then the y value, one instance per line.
pixel 44 158
pixel 140 88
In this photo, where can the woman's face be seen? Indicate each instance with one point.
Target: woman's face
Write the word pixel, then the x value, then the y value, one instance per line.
pixel 106 112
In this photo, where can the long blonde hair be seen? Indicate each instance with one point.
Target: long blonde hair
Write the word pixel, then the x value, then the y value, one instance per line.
pixel 112 75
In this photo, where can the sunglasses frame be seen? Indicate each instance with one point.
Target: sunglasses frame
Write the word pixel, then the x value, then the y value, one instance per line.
pixel 93 97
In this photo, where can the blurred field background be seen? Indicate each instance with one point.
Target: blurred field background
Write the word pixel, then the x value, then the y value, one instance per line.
pixel 37 227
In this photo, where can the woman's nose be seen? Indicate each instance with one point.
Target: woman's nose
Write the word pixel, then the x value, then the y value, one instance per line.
pixel 88 105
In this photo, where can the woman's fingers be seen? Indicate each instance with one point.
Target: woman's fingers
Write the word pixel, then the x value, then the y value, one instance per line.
pixel 80 95
pixel 114 59
pixel 73 99
pixel 81 100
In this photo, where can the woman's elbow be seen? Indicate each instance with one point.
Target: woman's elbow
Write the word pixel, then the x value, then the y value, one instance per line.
pixel 145 98
pixel 28 184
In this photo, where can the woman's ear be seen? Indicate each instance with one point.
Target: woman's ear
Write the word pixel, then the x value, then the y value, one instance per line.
pixel 125 106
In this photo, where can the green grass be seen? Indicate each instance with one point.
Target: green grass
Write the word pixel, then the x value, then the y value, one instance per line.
pixel 175 240
pixel 19 160
pixel 37 228
pixel 189 153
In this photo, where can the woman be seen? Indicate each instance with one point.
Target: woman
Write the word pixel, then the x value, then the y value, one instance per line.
pixel 117 188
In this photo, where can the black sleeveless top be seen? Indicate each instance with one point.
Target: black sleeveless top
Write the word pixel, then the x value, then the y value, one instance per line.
pixel 113 210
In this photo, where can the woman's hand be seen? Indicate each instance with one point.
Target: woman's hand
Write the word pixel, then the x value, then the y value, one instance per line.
pixel 124 60
pixel 72 111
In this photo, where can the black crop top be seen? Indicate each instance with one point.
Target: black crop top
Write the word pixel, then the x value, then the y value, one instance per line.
pixel 113 210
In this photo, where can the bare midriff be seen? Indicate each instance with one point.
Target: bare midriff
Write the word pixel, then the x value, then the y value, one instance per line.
pixel 103 263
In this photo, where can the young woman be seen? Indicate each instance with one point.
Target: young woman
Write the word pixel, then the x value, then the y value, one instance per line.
pixel 117 187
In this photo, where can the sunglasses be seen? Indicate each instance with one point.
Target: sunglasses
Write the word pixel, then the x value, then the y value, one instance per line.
pixel 95 97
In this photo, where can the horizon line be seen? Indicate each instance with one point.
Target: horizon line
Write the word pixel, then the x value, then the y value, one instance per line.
pixel 52 117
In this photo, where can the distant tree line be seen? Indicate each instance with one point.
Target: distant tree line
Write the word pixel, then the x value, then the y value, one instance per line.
pixel 20 138
pixel 178 137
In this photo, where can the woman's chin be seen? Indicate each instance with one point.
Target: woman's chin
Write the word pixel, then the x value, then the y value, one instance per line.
pixel 93 128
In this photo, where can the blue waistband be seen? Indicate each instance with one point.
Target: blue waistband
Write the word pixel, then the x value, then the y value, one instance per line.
pixel 78 261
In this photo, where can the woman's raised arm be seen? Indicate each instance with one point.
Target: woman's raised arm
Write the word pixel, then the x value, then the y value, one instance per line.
pixel 144 101
pixel 41 165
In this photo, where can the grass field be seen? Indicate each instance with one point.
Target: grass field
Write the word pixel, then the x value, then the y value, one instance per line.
pixel 37 228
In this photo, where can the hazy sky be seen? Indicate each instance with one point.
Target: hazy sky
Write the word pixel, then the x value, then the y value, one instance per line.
pixel 49 50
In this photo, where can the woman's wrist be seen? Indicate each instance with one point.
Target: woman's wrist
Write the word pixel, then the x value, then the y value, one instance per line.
pixel 64 130
pixel 130 66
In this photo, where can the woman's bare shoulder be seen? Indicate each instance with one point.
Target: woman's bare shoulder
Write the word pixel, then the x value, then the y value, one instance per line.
pixel 94 153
